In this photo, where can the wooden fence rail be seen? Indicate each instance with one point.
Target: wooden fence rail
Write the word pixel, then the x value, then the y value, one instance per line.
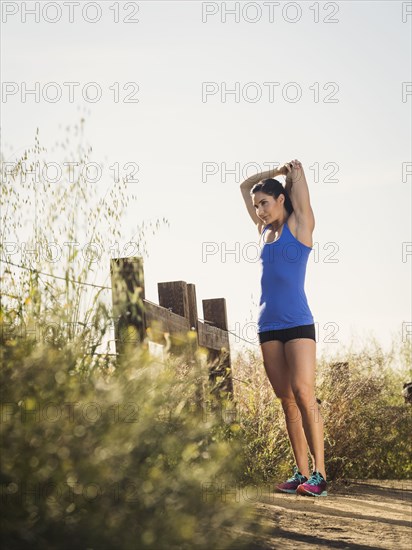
pixel 138 320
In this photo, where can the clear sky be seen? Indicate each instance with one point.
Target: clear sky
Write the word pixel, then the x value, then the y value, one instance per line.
pixel 326 83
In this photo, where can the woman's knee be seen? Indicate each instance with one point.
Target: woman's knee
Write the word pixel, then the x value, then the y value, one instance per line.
pixel 304 396
pixel 290 407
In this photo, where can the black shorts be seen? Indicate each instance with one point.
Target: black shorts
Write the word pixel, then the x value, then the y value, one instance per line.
pixel 286 334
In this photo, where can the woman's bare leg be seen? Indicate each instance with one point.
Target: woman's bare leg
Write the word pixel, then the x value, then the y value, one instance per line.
pixel 296 434
pixel 301 359
pixel 277 371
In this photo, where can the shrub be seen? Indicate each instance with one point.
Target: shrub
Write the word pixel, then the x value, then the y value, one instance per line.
pixel 367 423
pixel 120 460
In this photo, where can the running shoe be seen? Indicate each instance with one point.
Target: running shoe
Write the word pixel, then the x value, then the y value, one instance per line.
pixel 291 484
pixel 314 486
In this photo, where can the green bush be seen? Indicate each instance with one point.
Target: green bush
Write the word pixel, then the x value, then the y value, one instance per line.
pixel 122 460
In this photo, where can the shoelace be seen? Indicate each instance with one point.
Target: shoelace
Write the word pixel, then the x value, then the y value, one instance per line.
pixel 315 479
pixel 296 476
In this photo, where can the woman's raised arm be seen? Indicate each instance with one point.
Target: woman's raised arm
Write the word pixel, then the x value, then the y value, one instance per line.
pixel 246 187
pixel 250 182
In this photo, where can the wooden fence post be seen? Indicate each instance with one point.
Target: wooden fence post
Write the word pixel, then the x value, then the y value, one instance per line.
pixel 180 297
pixel 193 321
pixel 214 312
pixel 128 293
pixel 173 295
pixel 191 294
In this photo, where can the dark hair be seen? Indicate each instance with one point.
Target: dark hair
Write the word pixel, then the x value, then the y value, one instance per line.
pixel 274 188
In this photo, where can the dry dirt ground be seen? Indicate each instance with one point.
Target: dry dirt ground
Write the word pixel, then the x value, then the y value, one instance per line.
pixel 364 515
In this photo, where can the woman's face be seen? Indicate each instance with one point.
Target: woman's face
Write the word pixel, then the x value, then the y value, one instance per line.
pixel 267 207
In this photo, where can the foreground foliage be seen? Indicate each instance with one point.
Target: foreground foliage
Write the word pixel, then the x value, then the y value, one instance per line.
pixel 125 460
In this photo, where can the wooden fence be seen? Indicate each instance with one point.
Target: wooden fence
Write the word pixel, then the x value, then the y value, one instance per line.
pixel 138 320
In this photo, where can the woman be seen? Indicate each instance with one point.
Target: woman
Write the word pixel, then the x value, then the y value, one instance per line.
pixel 286 329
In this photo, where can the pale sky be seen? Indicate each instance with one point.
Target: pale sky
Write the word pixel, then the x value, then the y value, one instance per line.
pixel 340 103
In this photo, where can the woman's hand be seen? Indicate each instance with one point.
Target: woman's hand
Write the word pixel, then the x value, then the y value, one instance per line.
pixel 285 169
pixel 294 170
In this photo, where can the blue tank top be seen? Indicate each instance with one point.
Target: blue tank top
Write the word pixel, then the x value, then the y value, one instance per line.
pixel 283 302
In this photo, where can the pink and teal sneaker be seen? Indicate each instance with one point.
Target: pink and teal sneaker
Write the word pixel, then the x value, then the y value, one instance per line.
pixel 315 486
pixel 291 484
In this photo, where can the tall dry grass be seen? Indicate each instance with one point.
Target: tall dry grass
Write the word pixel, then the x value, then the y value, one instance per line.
pixel 366 421
pixel 68 229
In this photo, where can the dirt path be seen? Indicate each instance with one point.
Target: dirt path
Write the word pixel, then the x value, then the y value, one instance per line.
pixel 358 514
